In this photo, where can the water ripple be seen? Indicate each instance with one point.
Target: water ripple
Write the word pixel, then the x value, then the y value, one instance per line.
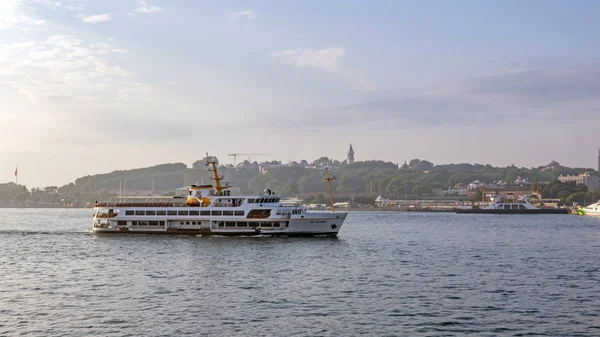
pixel 388 274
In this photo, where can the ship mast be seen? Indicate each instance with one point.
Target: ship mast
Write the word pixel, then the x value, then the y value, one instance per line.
pixel 329 179
pixel 216 177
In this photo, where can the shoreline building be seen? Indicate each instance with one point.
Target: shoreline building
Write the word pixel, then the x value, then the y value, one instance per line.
pixel 589 179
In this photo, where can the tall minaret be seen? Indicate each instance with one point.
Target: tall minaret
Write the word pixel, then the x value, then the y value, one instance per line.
pixel 350 159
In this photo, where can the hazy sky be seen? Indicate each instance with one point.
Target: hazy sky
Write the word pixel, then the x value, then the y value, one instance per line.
pixel 92 86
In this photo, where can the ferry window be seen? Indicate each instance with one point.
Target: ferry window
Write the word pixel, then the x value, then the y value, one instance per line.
pixel 129 213
pixel 278 212
pixel 122 223
pixel 139 212
pixel 181 222
pixel 194 213
pixel 242 224
pixel 142 223
pixel 204 212
pixel 229 224
pixel 227 212
pixel 193 222
pixel 182 213
pixel 239 213
pixel 187 222
pixel 259 213
pixel 171 212
pixel 216 213
pixel 162 223
pixel 153 223
pixel 134 223
pixel 250 201
pixel 161 212
pixel 150 212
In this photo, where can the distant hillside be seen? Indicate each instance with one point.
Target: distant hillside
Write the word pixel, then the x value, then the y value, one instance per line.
pixel 416 178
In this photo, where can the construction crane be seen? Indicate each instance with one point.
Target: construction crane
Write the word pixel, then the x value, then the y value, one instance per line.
pixel 234 155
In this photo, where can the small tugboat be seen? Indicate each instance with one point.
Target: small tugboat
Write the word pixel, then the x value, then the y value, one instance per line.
pixel 520 205
pixel 213 210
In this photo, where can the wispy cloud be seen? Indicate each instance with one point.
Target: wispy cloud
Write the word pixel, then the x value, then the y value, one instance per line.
pixel 13 17
pixel 249 15
pixel 73 72
pixel 328 59
pixel 530 97
pixel 145 7
pixel 95 18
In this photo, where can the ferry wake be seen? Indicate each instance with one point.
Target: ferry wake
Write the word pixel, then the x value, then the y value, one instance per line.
pixel 213 210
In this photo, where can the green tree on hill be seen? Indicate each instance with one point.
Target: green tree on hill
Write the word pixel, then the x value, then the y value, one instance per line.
pixel 319 199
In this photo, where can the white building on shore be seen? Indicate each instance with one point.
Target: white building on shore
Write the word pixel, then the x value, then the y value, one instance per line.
pixel 588 179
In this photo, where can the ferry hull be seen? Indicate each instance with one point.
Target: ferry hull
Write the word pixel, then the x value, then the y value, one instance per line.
pixel 514 211
pixel 209 233
pixel 305 226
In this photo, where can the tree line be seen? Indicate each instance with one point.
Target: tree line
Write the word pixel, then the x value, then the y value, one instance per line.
pixel 413 179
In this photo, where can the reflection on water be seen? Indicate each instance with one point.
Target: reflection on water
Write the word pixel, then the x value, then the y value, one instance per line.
pixel 408 274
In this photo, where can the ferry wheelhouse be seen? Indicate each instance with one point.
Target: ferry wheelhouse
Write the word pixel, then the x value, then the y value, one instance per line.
pixel 213 210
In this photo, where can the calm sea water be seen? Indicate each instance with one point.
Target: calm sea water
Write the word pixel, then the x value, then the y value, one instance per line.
pixel 387 274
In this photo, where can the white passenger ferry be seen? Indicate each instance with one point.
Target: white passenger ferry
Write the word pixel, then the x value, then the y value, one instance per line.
pixel 212 210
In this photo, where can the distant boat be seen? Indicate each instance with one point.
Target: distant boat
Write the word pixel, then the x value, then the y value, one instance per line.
pixel 512 206
pixel 593 209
